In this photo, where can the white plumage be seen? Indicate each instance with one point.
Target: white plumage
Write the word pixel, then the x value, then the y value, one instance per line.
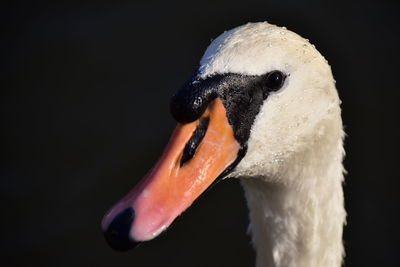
pixel 292 173
pixel 288 145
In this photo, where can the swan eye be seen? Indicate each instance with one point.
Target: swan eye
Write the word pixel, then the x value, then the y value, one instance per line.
pixel 274 80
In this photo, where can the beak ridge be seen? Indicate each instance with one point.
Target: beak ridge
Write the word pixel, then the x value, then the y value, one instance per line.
pixel 197 154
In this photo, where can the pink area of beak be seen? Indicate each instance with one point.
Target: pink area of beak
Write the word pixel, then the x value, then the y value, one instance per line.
pixel 171 187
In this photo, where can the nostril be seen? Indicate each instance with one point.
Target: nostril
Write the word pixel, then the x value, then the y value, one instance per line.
pixel 194 141
pixel 117 233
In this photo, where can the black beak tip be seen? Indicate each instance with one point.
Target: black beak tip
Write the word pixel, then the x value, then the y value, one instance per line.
pixel 117 234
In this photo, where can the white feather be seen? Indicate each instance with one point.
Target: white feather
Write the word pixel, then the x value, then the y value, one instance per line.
pixel 292 173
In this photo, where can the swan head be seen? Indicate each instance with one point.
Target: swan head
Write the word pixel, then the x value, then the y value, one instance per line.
pixel 291 119
pixel 261 96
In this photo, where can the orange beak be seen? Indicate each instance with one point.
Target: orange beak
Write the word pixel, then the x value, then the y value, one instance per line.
pixel 196 155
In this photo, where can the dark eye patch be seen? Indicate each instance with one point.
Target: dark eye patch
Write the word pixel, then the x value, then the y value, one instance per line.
pixel 242 100
pixel 194 141
pixel 242 97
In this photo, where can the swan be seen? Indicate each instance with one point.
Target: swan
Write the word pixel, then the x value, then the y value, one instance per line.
pixel 262 107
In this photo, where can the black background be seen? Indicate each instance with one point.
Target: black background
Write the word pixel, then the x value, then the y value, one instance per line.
pixel 85 114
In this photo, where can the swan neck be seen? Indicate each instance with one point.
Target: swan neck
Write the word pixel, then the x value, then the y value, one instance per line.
pixel 298 224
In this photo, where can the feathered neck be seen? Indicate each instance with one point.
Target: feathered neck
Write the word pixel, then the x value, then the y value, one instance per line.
pixel 300 223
